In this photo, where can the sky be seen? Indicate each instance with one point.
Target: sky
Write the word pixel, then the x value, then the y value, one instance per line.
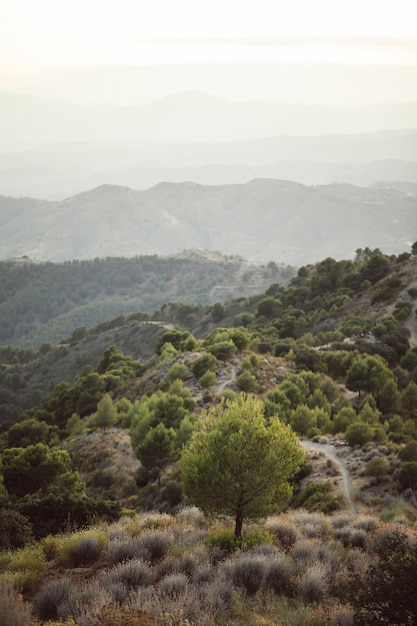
pixel 133 51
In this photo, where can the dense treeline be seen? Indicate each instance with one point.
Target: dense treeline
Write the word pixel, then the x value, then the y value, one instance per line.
pixel 42 302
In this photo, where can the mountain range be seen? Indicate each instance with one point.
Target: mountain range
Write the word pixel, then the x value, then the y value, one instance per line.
pixel 263 220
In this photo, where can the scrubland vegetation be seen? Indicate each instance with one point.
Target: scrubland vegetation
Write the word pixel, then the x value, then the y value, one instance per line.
pixel 98 476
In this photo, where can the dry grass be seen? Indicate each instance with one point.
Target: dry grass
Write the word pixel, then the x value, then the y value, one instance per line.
pixel 157 569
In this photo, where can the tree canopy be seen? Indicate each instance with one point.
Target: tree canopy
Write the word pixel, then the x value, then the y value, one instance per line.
pixel 238 463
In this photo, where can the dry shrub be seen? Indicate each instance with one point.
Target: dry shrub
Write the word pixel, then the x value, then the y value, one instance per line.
pixel 149 521
pixel 121 549
pixel 278 572
pixel 351 537
pixel 330 556
pixel 366 523
pixel 191 516
pixel 283 530
pixel 248 572
pixel 341 520
pixel 132 574
pixel 86 550
pixel 84 601
pixel 47 603
pixel 304 552
pixel 156 543
pixel 312 585
pixel 173 584
pixel 12 610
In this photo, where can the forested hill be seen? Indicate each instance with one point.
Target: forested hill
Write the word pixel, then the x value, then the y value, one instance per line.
pixel 367 304
pixel 45 302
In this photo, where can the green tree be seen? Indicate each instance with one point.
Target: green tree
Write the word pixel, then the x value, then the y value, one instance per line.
pixel 377 468
pixel 223 350
pixel 358 434
pixel 27 432
pixel 204 363
pixel 26 470
pixel 157 449
pixel 238 465
pixel 246 381
pixel 409 398
pixel 407 475
pixel 106 414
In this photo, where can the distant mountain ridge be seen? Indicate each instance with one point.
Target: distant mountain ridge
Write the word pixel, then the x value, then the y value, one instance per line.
pixel 189 116
pixel 263 220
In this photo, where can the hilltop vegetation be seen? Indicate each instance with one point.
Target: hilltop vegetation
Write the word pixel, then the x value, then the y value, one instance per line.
pixel 332 355
pixel 45 302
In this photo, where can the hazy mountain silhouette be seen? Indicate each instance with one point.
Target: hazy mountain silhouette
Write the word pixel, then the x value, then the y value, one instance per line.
pixel 261 220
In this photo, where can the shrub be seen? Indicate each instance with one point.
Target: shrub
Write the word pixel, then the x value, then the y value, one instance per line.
pixel 121 549
pixel 317 497
pixel 224 539
pixel 351 537
pixel 304 552
pixel 246 381
pixel 15 529
pixel 283 531
pixel 255 538
pixel 51 596
pixel 83 549
pixel 248 572
pixel 12 610
pixel 408 452
pixel 377 468
pixel 205 362
pixel 156 543
pixel 178 372
pixel 133 574
pixel 173 584
pixel 407 475
pixel 385 593
pixel 278 573
pixel 358 434
pixel 312 585
pixel 208 379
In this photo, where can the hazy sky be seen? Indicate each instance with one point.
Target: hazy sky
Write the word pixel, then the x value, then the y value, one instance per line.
pixel 132 51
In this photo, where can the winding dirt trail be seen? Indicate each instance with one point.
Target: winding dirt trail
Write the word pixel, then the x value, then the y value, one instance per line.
pixel 330 452
pixel 411 324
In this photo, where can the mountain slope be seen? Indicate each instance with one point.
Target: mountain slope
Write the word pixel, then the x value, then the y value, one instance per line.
pixel 262 220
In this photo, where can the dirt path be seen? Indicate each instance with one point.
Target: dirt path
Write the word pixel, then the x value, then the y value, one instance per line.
pixel 411 325
pixel 230 374
pixel 330 451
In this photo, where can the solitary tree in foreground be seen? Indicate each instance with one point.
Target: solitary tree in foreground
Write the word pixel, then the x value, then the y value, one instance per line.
pixel 238 464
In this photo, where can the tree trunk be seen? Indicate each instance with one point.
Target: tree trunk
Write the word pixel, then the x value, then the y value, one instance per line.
pixel 238 525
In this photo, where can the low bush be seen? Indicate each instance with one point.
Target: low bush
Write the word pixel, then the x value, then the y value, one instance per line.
pixel 317 497
pixel 248 572
pixel 173 584
pixel 278 572
pixel 133 574
pixel 12 610
pixel 283 531
pixel 312 585
pixel 49 599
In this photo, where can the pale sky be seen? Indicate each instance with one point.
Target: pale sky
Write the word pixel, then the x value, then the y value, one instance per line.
pixel 61 49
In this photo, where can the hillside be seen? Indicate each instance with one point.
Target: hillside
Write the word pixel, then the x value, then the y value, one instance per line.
pixel 95 516
pixel 264 220
pixel 46 302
